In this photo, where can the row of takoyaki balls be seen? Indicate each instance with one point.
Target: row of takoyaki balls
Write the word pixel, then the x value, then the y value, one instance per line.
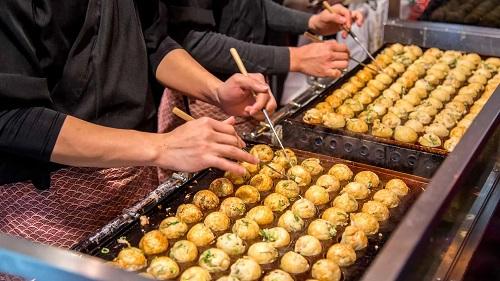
pixel 426 99
pixel 236 241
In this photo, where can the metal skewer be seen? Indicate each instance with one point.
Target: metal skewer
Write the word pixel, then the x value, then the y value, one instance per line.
pixel 330 9
pixel 186 117
pixel 244 71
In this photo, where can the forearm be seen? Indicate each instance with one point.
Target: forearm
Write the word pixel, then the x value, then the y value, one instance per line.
pixel 85 144
pixel 284 19
pixel 179 71
pixel 211 49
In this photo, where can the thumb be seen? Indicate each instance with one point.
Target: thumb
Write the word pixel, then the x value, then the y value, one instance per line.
pixel 335 18
pixel 231 121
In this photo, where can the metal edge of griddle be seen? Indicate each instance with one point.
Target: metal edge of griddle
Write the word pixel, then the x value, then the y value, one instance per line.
pixel 458 256
pixel 409 237
pixel 130 214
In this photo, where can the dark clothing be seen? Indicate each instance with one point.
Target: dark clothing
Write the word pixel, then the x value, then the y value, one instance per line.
pixel 91 59
pixel 240 24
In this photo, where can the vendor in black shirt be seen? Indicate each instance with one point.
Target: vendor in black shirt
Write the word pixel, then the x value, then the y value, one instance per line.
pixel 78 84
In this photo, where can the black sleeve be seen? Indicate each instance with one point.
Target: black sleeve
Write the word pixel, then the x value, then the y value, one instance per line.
pixel 154 19
pixel 212 51
pixel 280 18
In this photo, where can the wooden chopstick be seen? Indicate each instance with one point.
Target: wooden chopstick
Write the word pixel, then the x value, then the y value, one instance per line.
pixel 312 37
pixel 181 114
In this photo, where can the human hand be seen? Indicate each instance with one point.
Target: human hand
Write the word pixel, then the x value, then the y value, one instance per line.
pixel 203 143
pixel 327 23
pixel 236 96
pixel 326 59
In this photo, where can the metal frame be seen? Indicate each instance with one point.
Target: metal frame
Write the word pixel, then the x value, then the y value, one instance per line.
pixel 414 230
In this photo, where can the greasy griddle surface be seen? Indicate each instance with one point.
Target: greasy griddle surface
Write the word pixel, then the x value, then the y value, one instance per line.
pixel 135 231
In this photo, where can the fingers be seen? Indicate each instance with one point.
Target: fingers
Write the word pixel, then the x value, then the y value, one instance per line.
pixel 357 16
pixel 345 13
pixel 226 139
pixel 338 64
pixel 261 101
pixel 253 82
pixel 334 73
pixel 335 46
pixel 225 165
pixel 271 104
pixel 234 153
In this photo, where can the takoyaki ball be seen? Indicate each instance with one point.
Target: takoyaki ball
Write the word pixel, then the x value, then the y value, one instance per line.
pixel 246 269
pixel 429 140
pixel 291 222
pixel 468 100
pixel 365 222
pixel 200 235
pixel 394 92
pixel 304 208
pixel 357 190
pixel 173 227
pixel 189 213
pixel 313 166
pixel 334 101
pixel 424 84
pixel 434 76
pixel 206 200
pixel 195 273
pixel 405 134
pixel 450 143
pixel 399 111
pixel 384 79
pixel 420 116
pixel 237 179
pixel 274 170
pixel 342 94
pixel 285 158
pixel 334 120
pixel 369 178
pixel 328 182
pixel 163 268
pixel 345 202
pixel 324 107
pixel 217 221
pixel 397 48
pixel 426 108
pixel 434 52
pixel 412 98
pixel 437 129
pixel 405 105
pixel 130 259
pixel 472 57
pixel 457 107
pixel 477 78
pixel 341 172
pixel 263 252
pixel 251 168
pixel 415 125
pixel 387 197
pixel 483 71
pixel 349 87
pixel 470 116
pixel 433 102
pixel 277 275
pixel 346 111
pixel 294 263
pixel 326 270
pixel 300 175
pixel 228 278
pixel 356 81
pixel 399 67
pixel 418 69
pixel 464 123
pixel 222 187
pixel 231 244
pixel 415 50
pixel 313 116
pixel 308 246
pixel 246 229
pixel 456 76
pixel 322 229
pixel 341 254
pixel 373 93
pixel 397 186
pixel 317 195
pixel 248 194
pixel 263 152
pixel 367 117
pixel 354 237
pixel 420 92
pixel 447 120
pixel 378 108
pixel 406 81
pixel 391 120
pixel 357 125
pixel 386 102
pixel 262 215
pixel 364 75
pixel 336 216
pixel 262 182
pixel 493 61
pixel 276 202
pixel 363 98
pixel 355 105
pixel 277 236
pixel 233 207
pixel 383 59
pixel 153 242
pixel 381 130
pixel 376 209
pixel 183 251
pixel 457 132
pixel 214 260
pixel 466 64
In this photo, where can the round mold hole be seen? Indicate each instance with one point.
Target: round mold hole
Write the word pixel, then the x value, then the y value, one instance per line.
pixel 348 147
pixel 395 157
pixel 364 150
pixel 412 160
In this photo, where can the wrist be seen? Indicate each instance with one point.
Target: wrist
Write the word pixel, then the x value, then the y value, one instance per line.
pixel 295 58
pixel 154 149
pixel 213 87
pixel 312 24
